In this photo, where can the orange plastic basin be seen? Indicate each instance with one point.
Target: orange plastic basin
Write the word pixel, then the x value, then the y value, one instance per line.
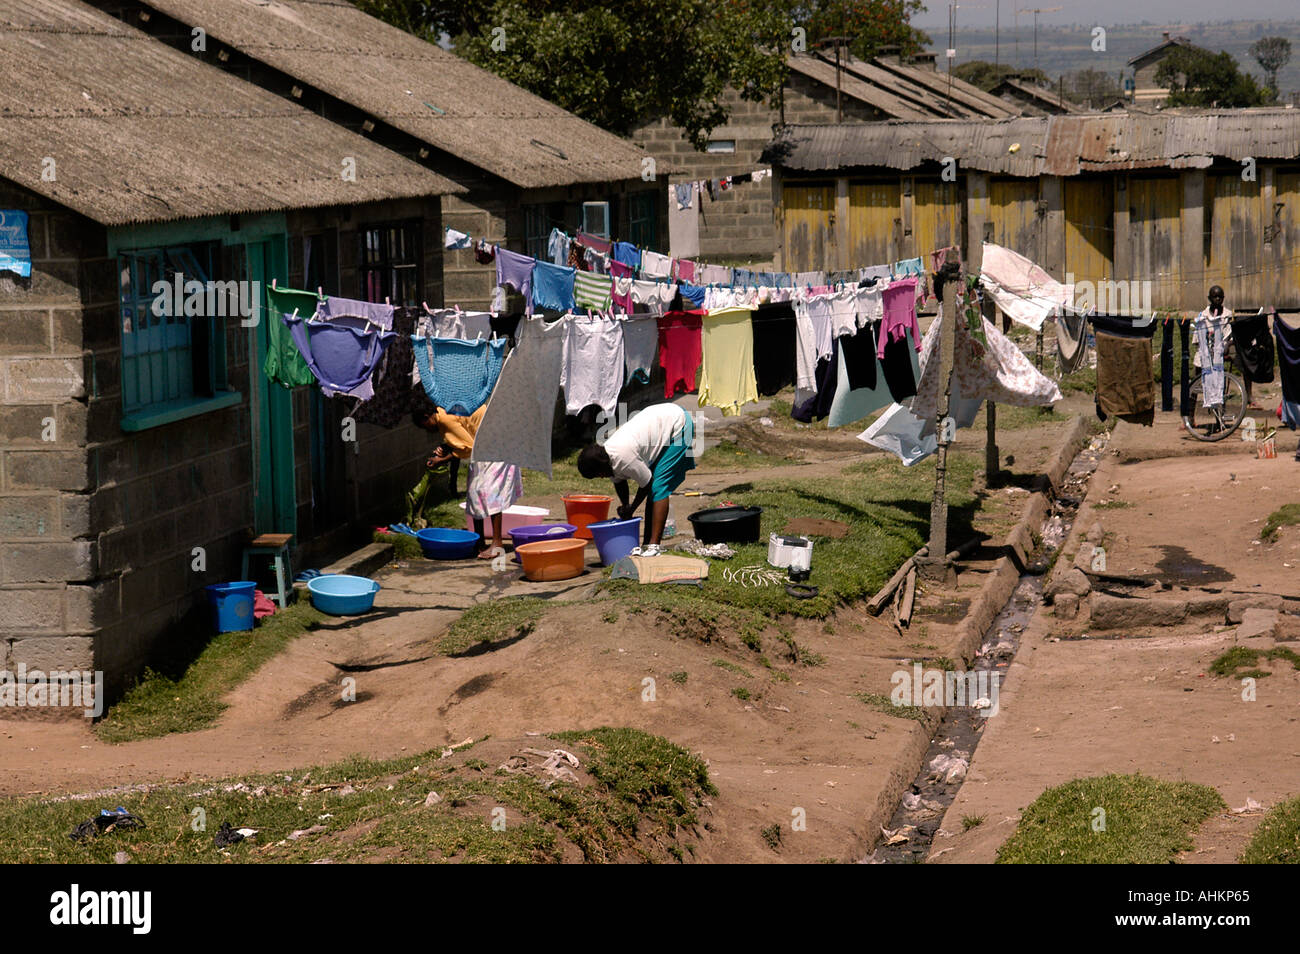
pixel 548 560
pixel 582 509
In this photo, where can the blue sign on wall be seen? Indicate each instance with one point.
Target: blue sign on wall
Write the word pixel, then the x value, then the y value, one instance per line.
pixel 15 251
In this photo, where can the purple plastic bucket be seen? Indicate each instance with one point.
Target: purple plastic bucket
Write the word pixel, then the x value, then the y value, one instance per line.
pixel 615 539
pixel 537 532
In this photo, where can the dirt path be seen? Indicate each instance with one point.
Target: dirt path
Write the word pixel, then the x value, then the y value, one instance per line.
pixel 1081 703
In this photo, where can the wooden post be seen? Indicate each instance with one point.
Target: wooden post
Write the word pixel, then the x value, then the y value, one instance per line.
pixel 991 468
pixel 936 567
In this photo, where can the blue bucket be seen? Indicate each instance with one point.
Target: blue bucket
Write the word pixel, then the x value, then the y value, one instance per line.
pixel 615 539
pixel 232 606
pixel 342 595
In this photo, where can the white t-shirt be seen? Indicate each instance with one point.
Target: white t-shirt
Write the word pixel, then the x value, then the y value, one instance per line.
pixel 634 447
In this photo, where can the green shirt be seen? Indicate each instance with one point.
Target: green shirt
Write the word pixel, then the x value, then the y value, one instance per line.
pixel 283 362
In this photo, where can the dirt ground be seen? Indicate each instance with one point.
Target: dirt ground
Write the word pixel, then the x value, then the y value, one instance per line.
pixel 1083 703
pixel 805 745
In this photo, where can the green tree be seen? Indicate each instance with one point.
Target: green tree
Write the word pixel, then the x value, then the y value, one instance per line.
pixel 1196 77
pixel 619 63
pixel 1272 53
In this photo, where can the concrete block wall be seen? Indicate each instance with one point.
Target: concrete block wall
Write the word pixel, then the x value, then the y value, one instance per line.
pixel 49 601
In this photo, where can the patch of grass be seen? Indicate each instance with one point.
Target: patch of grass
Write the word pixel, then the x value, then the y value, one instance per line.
pixel 733 668
pixel 185 696
pixel 1085 380
pixel 1287 515
pixel 643 790
pixel 610 616
pixel 1013 418
pixel 772 835
pixel 728 455
pixel 405 547
pixel 1235 661
pixel 678 677
pixel 883 703
pixel 971 821
pixel 1112 819
pixel 493 622
pixel 741 693
pixel 1277 839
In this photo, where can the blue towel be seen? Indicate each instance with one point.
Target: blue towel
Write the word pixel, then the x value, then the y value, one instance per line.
pixel 553 286
pixel 463 373
pixel 627 253
pixel 692 293
pixel 908 266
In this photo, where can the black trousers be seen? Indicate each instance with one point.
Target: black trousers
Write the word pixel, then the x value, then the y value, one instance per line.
pixel 1167 365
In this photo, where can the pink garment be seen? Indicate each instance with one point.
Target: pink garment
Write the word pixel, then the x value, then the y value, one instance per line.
pixel 899 301
pixel 820 290
pixel 263 605
pixel 619 270
pixel 685 271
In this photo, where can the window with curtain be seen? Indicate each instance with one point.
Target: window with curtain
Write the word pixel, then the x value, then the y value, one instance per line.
pixel 392 263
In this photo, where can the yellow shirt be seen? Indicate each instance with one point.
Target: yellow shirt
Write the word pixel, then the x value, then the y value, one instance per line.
pixel 727 376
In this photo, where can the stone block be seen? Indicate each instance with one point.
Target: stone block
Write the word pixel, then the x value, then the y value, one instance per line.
pixel 1238 607
pixel 46 653
pixel 45 379
pixel 53 562
pixel 1113 612
pixel 31 609
pixel 25 333
pixel 46 470
pixel 90 608
pixel 1066 606
pixel 1257 623
pixel 32 515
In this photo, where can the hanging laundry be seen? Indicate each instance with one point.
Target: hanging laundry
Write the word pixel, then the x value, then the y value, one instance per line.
pixel 684 194
pixel 908 267
pixel 808 279
pixel 818 405
pixel 680 349
pixel 879 273
pixel 593 291
pixel 684 229
pixel 622 286
pixel 714 275
pixel 592 368
pixel 484 253
pixel 456 239
pixel 691 293
pixel 626 253
pixel 516 270
pixel 1210 331
pixel 844 312
pixel 898 431
pixel 640 339
pixel 684 270
pixel 899 304
pixel 557 247
pixel 519 420
pixel 284 362
pixel 774 347
pixel 1288 368
pixel 860 387
pixel 1254 346
pixel 458 376
pixel 594 242
pixel 1072 340
pixel 743 278
pixel 727 377
pixel 595 262
pixel 392 399
pixel 576 259
pixel 342 358
pixel 655 297
pixel 456 323
pixel 1125 383
pixel 355 313
pixel 655 265
pixel 1022 291
pixel 552 286
pixel 858 357
pixel 870 301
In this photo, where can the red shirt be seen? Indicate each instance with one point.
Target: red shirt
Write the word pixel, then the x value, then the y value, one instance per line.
pixel 680 349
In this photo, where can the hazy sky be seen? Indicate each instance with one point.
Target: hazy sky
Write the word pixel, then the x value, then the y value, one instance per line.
pixel 981 12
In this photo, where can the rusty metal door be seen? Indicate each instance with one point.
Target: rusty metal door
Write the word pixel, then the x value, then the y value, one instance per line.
pixel 1154 231
pixel 1089 230
pixel 875 223
pixel 1234 244
pixel 1283 235
pixel 809 225
pixel 936 217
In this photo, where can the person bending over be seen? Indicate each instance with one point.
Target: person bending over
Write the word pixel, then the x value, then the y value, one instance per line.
pixel 654 449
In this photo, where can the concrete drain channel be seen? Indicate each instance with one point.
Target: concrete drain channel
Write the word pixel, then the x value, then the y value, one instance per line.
pixel 919 814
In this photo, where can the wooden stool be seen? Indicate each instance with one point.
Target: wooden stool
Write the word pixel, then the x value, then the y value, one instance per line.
pixel 276 546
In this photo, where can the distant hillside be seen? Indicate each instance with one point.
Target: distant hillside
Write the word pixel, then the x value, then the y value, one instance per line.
pixel 1062 49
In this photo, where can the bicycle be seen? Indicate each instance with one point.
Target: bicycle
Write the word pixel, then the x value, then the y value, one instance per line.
pixel 1216 422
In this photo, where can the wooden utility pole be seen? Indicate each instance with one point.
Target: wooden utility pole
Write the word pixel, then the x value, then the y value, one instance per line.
pixel 934 565
pixel 991 467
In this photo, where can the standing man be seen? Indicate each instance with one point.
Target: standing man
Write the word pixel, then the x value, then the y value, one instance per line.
pixel 654 448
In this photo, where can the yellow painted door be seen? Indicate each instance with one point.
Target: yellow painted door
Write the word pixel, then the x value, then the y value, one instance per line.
pixel 1154 209
pixel 1234 251
pixel 1013 213
pixel 875 223
pixel 936 217
pixel 1089 231
pixel 1283 289
pixel 809 211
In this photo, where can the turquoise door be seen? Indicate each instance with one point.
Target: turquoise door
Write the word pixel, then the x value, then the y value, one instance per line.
pixel 274 499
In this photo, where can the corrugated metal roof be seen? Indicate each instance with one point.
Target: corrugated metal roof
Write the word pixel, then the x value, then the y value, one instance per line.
pixel 1040 97
pixel 873 95
pixel 959 97
pixel 416 87
pixel 139 132
pixel 1047 145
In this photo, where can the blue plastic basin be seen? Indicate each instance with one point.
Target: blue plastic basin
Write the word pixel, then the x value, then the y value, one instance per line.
pixel 341 595
pixel 615 539
pixel 440 543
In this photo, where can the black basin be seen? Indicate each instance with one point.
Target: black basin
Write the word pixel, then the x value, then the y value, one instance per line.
pixel 727 524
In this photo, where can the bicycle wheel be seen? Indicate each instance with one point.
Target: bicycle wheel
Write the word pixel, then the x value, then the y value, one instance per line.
pixel 1218 421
